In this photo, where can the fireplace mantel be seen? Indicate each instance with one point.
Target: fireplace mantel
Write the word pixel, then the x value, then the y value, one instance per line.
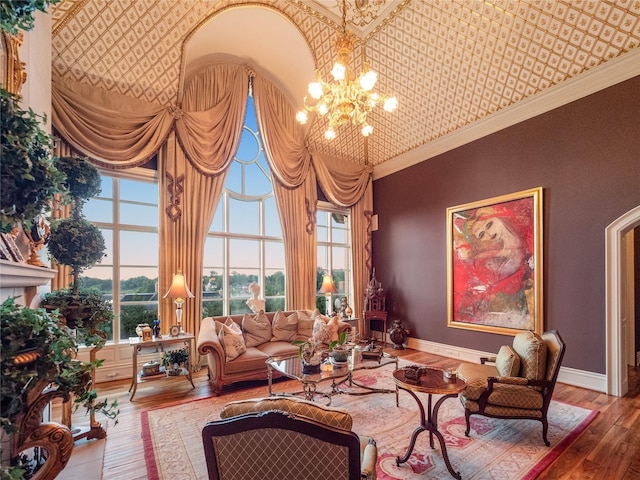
pixel 22 280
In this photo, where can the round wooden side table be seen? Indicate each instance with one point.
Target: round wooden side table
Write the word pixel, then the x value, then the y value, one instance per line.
pixel 430 381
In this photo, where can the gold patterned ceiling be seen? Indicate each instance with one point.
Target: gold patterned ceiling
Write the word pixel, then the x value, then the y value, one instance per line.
pixel 449 62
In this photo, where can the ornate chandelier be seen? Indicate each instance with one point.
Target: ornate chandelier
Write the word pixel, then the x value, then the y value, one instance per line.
pixel 347 99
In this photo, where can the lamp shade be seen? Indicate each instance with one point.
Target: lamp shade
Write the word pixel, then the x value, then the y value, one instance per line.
pixel 179 288
pixel 327 285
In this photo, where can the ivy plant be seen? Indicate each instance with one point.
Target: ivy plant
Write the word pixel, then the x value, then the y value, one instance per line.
pixel 18 14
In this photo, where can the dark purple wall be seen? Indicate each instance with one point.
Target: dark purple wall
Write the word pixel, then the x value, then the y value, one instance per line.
pixel 585 155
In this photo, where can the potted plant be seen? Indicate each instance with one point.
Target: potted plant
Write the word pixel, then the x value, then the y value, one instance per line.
pixel 77 243
pixel 310 355
pixel 29 179
pixel 36 352
pixel 338 348
pixel 174 360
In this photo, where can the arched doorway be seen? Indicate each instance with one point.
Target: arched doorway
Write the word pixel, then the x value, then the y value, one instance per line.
pixel 617 322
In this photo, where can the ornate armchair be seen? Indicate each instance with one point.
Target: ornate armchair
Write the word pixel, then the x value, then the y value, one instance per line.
pixel 518 384
pixel 286 438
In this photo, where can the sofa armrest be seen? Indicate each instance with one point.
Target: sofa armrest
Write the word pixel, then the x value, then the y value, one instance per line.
pixel 343 327
pixel 208 341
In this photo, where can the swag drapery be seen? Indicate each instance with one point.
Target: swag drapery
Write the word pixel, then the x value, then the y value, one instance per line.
pixel 195 146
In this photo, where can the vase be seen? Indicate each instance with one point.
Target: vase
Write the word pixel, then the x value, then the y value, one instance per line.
pixel 340 355
pixel 398 335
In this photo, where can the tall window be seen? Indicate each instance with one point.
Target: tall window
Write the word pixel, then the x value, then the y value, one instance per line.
pixel 334 254
pixel 126 211
pixel 244 243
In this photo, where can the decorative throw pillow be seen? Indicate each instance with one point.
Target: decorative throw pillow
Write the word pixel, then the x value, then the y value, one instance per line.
pixel 332 329
pixel 305 325
pixel 284 328
pixel 232 341
pixel 256 328
pixel 507 362
pixel 320 331
pixel 533 355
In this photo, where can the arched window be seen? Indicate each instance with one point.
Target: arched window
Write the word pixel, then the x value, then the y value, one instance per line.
pixel 244 243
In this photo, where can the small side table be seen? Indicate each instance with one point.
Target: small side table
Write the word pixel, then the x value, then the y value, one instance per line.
pixel 159 345
pixel 431 382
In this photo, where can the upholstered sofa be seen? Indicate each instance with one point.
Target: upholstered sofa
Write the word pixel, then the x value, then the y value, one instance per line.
pixel 237 346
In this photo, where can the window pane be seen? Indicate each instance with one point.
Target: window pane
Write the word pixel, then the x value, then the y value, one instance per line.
pixel 106 188
pixel 322 233
pixel 218 218
pixel 338 220
pixel 272 227
pixel 138 298
pixel 141 215
pixel 338 235
pixel 249 148
pixel 274 285
pixel 274 254
pixel 239 282
pixel 323 258
pixel 256 183
pixel 213 252
pixel 137 191
pixel 108 243
pixel 234 178
pixel 243 254
pixel 339 258
pixel 243 217
pixel 138 248
pixel 98 210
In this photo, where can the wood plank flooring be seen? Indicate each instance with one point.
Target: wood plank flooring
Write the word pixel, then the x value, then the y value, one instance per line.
pixel 609 449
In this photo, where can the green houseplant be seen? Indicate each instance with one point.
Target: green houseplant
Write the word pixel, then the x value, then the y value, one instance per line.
pixel 29 177
pixel 77 243
pixel 175 360
pixel 36 352
pixel 339 349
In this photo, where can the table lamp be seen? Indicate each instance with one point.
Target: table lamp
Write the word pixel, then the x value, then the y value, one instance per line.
pixel 327 288
pixel 179 290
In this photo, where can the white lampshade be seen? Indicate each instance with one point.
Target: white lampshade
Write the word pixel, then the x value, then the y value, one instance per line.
pixel 178 288
pixel 327 285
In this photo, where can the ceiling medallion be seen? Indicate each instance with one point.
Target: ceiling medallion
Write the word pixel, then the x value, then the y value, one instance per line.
pixel 347 99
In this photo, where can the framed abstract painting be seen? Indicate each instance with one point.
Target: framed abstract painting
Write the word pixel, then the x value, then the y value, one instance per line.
pixel 494 264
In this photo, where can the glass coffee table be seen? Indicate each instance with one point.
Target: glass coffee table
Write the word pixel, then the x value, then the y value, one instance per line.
pixel 338 374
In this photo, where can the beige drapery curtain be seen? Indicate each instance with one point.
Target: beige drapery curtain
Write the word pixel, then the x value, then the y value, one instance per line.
pixel 195 160
pixel 115 131
pixel 349 185
pixel 294 188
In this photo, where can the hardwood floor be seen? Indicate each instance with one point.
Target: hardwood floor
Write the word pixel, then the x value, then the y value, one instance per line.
pixel 609 449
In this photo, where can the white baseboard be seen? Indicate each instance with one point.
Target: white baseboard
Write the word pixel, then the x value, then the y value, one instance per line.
pixel 569 376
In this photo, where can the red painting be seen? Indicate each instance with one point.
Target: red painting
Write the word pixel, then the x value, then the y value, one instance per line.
pixel 494 264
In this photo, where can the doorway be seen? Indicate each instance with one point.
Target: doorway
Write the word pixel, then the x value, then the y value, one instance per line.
pixel 619 324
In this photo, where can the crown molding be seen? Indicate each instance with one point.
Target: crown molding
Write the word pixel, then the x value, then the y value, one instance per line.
pixel 603 76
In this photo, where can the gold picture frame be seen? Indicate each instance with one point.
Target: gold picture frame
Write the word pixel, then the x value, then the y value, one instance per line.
pixel 494 264
pixel 12 247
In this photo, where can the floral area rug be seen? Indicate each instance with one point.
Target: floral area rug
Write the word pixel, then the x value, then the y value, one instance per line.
pixel 496 448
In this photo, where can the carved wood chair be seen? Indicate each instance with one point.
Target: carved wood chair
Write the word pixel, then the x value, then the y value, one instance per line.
pixel 517 383
pixel 286 438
